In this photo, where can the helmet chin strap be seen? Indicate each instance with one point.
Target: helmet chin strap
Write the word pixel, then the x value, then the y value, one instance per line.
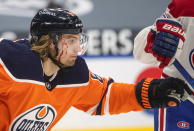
pixel 56 62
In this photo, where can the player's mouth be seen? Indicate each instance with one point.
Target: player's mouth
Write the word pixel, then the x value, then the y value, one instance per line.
pixel 74 57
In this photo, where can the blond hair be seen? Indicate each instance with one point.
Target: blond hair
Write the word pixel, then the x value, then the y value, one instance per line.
pixel 42 46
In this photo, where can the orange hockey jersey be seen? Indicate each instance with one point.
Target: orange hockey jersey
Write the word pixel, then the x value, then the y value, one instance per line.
pixel 29 101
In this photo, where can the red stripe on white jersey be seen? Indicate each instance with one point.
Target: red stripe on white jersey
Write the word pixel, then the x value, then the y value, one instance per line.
pixel 162 114
pixel 162 119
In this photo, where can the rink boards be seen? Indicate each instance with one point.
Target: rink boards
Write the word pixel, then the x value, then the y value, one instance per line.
pixel 124 129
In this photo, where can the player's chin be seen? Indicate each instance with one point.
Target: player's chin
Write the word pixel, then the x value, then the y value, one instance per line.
pixel 68 63
pixel 72 62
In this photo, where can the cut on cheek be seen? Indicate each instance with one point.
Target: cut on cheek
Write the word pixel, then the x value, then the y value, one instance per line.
pixel 62 51
pixel 61 55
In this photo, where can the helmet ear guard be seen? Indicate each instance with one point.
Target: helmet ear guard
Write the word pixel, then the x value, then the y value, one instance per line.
pixel 55 37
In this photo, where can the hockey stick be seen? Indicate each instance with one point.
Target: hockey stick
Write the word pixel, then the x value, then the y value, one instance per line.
pixel 187 77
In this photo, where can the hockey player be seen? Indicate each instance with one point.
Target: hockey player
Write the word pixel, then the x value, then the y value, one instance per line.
pixel 41 78
pixel 170 37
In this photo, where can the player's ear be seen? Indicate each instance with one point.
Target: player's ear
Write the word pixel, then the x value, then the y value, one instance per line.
pixel 52 45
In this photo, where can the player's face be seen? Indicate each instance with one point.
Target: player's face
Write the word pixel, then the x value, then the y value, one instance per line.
pixel 68 46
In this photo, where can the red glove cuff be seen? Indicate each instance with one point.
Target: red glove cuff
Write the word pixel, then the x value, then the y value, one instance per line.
pixel 171 28
pixel 149 45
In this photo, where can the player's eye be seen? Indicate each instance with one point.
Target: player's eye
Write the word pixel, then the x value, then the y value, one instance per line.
pixel 73 41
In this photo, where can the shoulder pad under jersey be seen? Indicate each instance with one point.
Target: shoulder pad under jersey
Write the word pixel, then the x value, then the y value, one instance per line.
pixel 20 60
pixel 181 8
pixel 8 47
pixel 77 74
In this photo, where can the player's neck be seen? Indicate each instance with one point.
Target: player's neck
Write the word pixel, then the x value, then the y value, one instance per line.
pixel 49 68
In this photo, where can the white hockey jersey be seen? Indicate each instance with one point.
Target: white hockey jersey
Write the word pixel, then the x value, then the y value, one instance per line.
pixel 182 11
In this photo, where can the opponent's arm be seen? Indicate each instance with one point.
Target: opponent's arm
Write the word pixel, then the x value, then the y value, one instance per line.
pixel 165 42
pixel 161 42
pixel 140 42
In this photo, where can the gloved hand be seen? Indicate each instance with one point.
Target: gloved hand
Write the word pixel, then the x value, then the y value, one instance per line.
pixel 159 93
pixel 166 41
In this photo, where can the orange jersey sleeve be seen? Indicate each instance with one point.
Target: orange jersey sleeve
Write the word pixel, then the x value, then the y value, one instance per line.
pixel 104 96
